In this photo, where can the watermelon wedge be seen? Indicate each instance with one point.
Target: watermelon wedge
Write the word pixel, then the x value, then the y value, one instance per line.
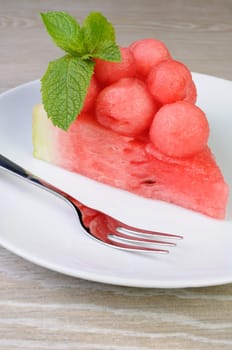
pixel 126 117
pixel 131 163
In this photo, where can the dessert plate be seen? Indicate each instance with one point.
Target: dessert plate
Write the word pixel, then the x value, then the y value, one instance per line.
pixel 44 230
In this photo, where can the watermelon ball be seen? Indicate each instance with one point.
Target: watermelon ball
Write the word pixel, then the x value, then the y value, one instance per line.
pixel 147 53
pixel 91 95
pixel 179 130
pixel 169 81
pixel 191 93
pixel 109 72
pixel 126 107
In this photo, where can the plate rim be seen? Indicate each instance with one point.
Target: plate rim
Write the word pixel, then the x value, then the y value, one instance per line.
pixel 134 283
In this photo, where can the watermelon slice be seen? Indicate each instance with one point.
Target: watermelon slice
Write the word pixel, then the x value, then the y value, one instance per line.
pixel 139 128
pixel 132 164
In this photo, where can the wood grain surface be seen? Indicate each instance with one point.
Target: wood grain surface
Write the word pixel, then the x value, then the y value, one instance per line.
pixel 41 309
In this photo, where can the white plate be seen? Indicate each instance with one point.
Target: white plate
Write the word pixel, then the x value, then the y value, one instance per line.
pixel 43 229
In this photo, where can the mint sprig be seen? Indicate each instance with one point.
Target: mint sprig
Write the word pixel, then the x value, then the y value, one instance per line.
pixel 65 83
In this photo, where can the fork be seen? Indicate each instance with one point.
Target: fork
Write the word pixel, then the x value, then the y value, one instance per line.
pixel 99 225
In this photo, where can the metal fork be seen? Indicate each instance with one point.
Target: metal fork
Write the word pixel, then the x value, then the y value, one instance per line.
pixel 99 225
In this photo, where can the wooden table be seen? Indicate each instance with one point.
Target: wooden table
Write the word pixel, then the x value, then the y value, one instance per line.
pixel 41 309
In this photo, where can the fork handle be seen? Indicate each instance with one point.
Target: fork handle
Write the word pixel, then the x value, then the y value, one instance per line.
pixel 19 171
pixel 16 169
pixel 12 167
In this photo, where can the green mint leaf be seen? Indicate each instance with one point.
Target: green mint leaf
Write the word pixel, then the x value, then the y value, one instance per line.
pixel 64 87
pixel 108 51
pixel 64 30
pixel 96 29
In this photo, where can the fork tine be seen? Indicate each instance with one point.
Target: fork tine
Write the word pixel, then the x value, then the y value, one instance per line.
pixel 134 239
pixel 141 238
pixel 146 234
pixel 134 245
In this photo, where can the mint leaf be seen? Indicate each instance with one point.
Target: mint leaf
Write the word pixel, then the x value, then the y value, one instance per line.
pixel 99 37
pixel 64 30
pixel 96 30
pixel 108 51
pixel 64 87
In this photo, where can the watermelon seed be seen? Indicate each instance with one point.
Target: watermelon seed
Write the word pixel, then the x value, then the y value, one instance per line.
pixel 148 182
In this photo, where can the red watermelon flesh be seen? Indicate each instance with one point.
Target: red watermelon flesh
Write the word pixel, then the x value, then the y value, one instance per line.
pixel 131 164
pixel 131 135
